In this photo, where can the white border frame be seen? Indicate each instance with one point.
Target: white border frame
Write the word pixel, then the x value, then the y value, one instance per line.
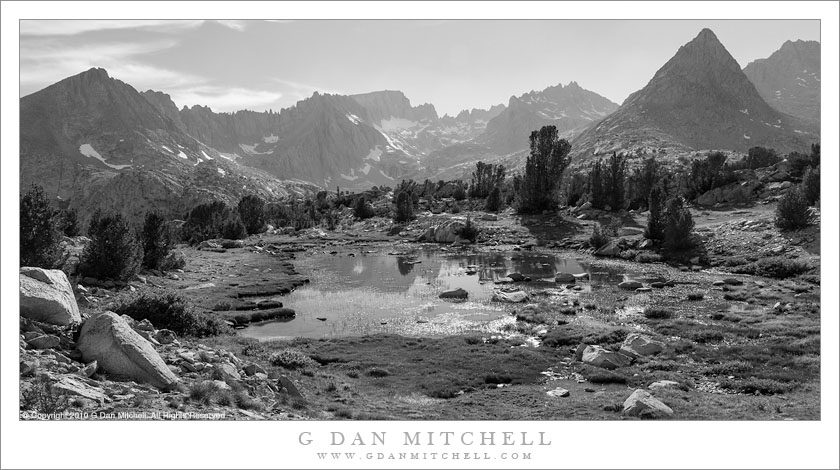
pixel 576 444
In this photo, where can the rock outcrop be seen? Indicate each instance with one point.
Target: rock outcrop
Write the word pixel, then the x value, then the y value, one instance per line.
pixel 119 350
pixel 46 296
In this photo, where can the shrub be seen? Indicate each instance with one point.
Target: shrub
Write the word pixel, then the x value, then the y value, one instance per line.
pixel 648 258
pixel 404 209
pixel 362 209
pixel 709 173
pixel 68 222
pixel 155 240
pixel 41 397
pixel 678 225
pixel 695 296
pixel 655 229
pixel 251 214
pixel 233 228
pixel 776 267
pixel 759 157
pixel 39 237
pixel 605 377
pixel 792 211
pixel 494 200
pixel 753 385
pixel 459 193
pixel 614 183
pixel 212 220
pixel 548 158
pixel 170 311
pixel 291 359
pixel 599 236
pixel 485 177
pixel 469 231
pixel 811 185
pixel 800 162
pixel 656 313
pixel 597 192
pixel 113 251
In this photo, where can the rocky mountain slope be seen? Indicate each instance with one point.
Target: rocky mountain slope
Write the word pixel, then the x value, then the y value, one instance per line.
pixel 789 80
pixel 570 109
pixel 700 99
pixel 97 142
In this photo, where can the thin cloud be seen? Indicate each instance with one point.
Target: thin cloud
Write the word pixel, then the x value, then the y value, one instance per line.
pixel 224 99
pixel 73 27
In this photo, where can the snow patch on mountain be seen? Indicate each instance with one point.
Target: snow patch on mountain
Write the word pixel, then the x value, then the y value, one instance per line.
pixel 88 151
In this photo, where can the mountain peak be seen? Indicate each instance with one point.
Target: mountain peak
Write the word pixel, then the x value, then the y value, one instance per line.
pixel 95 72
pixel 706 34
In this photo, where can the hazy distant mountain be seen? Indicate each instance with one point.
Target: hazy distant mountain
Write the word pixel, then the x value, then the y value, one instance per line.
pixel 98 142
pixel 418 131
pixel 570 109
pixel 700 99
pixel 789 80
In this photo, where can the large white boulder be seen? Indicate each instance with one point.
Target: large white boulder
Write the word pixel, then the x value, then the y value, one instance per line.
pixel 601 357
pixel 641 401
pixel 119 350
pixel 46 296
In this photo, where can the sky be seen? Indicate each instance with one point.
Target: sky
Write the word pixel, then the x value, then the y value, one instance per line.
pixel 453 64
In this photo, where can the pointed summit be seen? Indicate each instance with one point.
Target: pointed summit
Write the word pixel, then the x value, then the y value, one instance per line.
pixel 700 99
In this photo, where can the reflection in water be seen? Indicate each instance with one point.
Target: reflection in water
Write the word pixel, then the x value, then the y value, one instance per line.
pixel 404 265
pixel 363 295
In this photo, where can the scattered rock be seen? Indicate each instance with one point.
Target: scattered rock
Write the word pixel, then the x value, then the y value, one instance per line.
pixel 251 369
pixel 119 350
pixel 88 369
pixel 601 357
pixel 663 384
pixel 564 278
pixel 610 249
pixel 46 296
pixel 44 342
pixel 447 232
pixel 510 297
pixel 641 345
pixel 226 372
pixel 75 386
pixel 518 277
pixel 458 293
pixel 630 285
pixel 558 392
pixel 641 403
pixel 165 336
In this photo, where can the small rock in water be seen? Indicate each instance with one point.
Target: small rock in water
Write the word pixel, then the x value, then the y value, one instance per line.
pixel 564 278
pixel 630 285
pixel 458 293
